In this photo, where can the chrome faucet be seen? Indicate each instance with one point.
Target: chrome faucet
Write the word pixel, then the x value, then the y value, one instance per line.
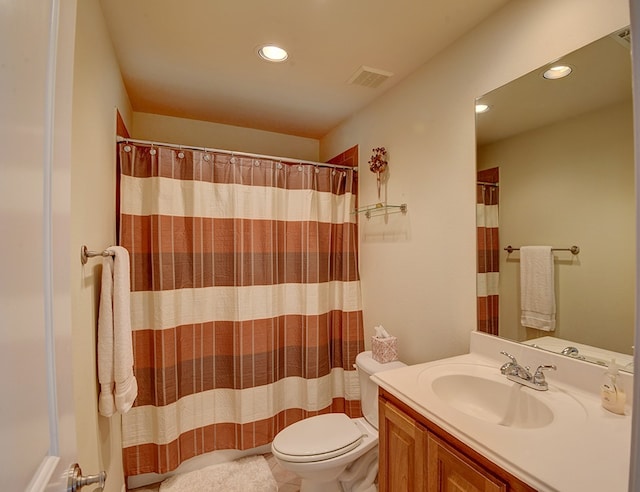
pixel 515 372
pixel 539 381
pixel 512 368
pixel 570 351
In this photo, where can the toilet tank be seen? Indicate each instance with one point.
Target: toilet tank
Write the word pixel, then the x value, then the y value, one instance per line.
pixel 366 367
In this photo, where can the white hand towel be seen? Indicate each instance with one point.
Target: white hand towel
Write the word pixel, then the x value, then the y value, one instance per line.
pixel 537 296
pixel 118 385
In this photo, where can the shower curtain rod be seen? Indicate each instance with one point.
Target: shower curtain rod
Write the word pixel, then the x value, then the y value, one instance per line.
pixel 120 139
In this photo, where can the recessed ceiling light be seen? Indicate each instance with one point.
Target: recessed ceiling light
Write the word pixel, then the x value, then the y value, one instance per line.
pixel 273 53
pixel 482 108
pixel 557 72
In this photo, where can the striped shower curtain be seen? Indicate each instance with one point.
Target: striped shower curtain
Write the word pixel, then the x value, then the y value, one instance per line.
pixel 246 309
pixel 488 247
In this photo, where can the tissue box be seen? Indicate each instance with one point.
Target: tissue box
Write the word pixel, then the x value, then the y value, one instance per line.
pixel 384 349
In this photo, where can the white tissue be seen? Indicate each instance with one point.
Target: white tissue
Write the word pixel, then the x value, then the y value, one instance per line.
pixel 381 332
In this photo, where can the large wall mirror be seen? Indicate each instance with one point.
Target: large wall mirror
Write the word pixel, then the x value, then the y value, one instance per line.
pixel 561 151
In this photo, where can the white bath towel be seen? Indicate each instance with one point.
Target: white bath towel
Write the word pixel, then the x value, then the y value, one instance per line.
pixel 537 296
pixel 118 385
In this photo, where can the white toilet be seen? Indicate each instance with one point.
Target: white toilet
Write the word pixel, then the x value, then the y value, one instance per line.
pixel 332 452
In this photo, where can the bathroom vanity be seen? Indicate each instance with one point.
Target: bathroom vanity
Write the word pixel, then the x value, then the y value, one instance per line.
pixel 416 454
pixel 459 424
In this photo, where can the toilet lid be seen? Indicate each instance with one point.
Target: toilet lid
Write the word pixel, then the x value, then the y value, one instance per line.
pixel 317 438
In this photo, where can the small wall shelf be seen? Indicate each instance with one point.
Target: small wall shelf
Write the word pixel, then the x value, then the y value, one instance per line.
pixel 380 209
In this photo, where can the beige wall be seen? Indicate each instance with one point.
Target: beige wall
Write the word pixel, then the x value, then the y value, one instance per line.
pixel 418 270
pixel 572 183
pixel 98 90
pixel 183 131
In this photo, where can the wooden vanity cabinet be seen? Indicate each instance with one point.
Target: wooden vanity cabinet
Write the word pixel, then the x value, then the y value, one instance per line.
pixel 403 451
pixel 416 455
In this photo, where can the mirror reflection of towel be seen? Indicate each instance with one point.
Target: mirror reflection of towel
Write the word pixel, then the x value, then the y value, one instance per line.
pixel 537 296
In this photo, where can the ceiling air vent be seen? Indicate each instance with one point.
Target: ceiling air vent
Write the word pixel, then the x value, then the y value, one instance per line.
pixel 623 36
pixel 369 77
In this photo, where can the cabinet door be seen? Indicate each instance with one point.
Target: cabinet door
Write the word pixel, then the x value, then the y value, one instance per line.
pixel 451 471
pixel 402 451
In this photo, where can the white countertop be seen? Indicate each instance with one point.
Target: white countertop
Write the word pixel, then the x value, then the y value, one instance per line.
pixel 585 449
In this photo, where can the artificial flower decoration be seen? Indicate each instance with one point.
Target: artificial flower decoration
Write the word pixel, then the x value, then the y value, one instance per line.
pixel 378 164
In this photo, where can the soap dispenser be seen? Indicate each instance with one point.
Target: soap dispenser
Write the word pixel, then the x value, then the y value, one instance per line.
pixel 611 391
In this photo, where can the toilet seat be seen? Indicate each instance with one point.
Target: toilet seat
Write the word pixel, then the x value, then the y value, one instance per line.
pixel 317 438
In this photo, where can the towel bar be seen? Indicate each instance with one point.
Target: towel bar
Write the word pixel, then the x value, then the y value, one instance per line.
pixel 574 249
pixel 85 254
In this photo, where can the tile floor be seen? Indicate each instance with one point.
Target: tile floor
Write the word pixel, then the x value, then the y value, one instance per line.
pixel 287 481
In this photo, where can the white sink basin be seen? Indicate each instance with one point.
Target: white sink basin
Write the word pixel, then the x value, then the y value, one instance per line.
pixel 484 394
pixel 500 403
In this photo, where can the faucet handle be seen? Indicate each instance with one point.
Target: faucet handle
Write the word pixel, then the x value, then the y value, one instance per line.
pixel 513 359
pixel 538 377
pixel 507 365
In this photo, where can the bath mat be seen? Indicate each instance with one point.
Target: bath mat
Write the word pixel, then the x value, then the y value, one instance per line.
pixel 250 474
